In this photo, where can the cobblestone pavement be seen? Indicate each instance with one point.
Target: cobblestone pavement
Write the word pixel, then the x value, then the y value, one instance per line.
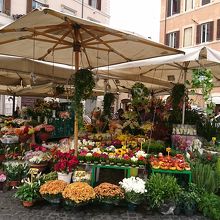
pixel 12 209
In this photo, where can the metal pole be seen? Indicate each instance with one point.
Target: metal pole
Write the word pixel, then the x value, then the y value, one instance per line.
pixel 184 98
pixel 13 104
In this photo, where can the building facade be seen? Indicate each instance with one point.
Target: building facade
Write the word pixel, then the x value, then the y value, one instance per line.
pixel 10 10
pixel 188 23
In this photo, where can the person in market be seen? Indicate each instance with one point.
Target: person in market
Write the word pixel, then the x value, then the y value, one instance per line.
pixel 16 113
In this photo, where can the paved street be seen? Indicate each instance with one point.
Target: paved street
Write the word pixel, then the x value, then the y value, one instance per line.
pixel 12 209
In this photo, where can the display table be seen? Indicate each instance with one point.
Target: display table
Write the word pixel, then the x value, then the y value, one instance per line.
pixel 184 172
pixel 95 166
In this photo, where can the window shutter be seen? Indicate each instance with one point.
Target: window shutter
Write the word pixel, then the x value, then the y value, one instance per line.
pixel 177 43
pixel 178 7
pixel 167 39
pixel 7 6
pixel 168 8
pixel 210 31
pixel 218 29
pixel 29 6
pixel 90 2
pixel 198 34
pixel 99 7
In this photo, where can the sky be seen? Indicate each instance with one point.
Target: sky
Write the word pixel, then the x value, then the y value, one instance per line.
pixel 140 16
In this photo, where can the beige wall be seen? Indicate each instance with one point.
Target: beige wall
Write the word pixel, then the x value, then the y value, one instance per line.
pixel 206 13
pixel 103 16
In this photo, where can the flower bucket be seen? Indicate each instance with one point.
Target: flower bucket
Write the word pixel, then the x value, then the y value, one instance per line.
pixel 14 183
pixel 132 207
pixel 41 166
pixel 65 176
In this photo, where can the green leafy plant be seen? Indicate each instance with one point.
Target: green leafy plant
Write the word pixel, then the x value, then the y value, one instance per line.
pixel 28 192
pixel 203 78
pixel 108 101
pixel 210 206
pixel 162 189
pixel 15 170
pixel 204 176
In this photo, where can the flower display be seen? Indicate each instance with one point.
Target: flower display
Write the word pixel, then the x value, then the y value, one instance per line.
pixel 53 187
pixel 65 162
pixel 37 157
pixel 134 188
pixel 44 128
pixel 78 193
pixel 108 193
pixel 2 177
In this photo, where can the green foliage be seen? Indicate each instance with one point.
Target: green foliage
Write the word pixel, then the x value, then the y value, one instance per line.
pixel 154 146
pixel 210 206
pixel 177 94
pixel 47 177
pixel 139 94
pixel 204 176
pixel 83 84
pixel 161 189
pixel 203 78
pixel 28 192
pixel 108 101
pixel 15 170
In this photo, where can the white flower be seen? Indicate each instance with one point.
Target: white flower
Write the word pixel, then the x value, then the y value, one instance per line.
pixel 140 153
pixel 96 150
pixel 134 184
pixel 134 159
pixel 88 154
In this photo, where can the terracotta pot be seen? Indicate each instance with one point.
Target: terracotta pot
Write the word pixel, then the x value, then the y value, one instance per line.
pixel 27 203
pixel 14 183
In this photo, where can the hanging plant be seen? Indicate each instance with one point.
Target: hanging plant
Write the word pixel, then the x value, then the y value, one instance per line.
pixel 108 101
pixel 83 83
pixel 140 95
pixel 203 79
pixel 177 94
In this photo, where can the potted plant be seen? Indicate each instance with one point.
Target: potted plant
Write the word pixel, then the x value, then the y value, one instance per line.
pixel 78 194
pixel 52 190
pixel 134 189
pixel 2 180
pixel 15 172
pixel 108 193
pixel 65 163
pixel 163 192
pixel 28 193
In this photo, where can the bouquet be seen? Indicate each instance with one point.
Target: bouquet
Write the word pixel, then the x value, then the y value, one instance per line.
pixel 65 162
pixel 52 190
pixel 64 115
pixel 109 193
pixel 78 193
pixel 44 131
pixel 134 189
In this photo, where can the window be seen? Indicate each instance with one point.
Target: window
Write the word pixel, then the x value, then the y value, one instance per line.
pixel 68 10
pixel 95 4
pixel 204 32
pixel 172 39
pixel 36 4
pixel 173 7
pixel 204 2
pixel 187 37
pixel 218 29
pixel 1 5
pixel 188 5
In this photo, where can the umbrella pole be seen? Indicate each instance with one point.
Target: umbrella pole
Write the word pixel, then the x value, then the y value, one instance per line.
pixel 184 99
pixel 76 48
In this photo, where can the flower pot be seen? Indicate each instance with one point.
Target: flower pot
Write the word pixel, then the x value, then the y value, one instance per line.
pixel 41 166
pixel 65 176
pixel 13 183
pixel 27 203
